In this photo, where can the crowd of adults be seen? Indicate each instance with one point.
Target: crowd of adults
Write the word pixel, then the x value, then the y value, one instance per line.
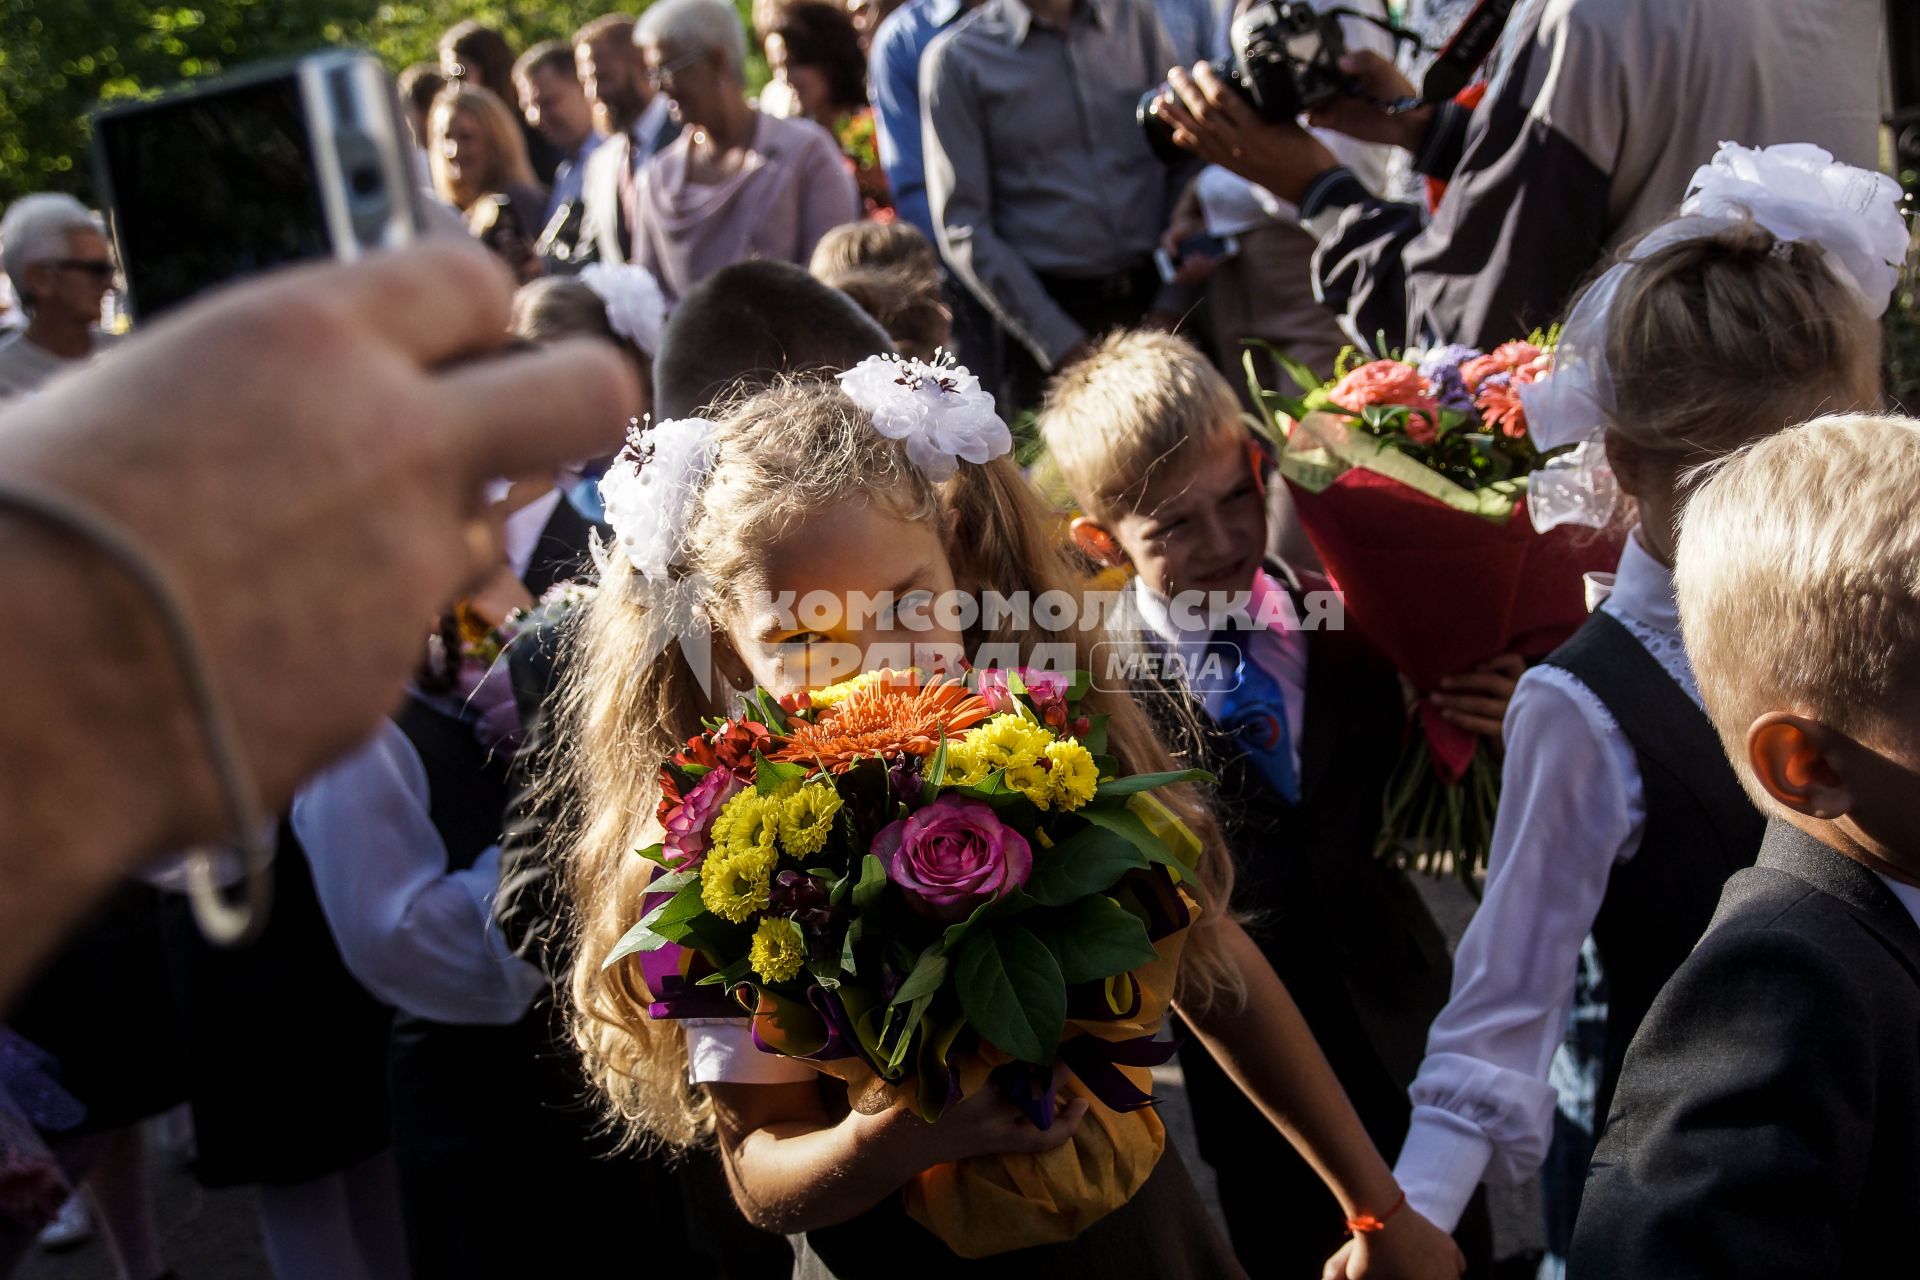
pixel 972 176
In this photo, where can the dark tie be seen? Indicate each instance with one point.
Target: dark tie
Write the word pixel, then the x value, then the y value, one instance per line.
pixel 629 188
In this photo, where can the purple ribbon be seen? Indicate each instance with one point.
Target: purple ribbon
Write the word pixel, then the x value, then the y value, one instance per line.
pixel 671 975
pixel 1097 1063
pixel 1028 1087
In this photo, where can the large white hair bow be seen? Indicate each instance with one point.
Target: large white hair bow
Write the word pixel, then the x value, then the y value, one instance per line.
pixel 1797 191
pixel 652 490
pixel 938 409
pixel 636 308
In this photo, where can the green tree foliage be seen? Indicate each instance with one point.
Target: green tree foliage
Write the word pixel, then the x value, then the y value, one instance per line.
pixel 60 59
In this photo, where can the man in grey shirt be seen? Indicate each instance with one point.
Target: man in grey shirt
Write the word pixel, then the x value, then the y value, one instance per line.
pixel 61 269
pixel 1047 201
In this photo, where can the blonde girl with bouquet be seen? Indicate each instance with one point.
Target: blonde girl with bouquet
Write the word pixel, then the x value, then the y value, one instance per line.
pixel 895 480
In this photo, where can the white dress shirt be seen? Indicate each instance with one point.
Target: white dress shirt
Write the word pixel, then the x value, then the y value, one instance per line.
pixel 1572 807
pixel 418 936
pixel 1908 894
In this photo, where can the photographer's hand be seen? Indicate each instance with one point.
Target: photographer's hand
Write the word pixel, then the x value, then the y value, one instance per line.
pixel 1217 124
pixel 299 456
pixel 1364 116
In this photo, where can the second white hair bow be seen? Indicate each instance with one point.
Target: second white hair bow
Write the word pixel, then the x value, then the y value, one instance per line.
pixel 939 410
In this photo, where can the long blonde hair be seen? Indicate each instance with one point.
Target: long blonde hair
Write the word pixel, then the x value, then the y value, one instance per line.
pixel 509 145
pixel 783 456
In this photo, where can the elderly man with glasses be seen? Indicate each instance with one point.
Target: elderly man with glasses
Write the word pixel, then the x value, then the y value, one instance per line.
pixel 61 268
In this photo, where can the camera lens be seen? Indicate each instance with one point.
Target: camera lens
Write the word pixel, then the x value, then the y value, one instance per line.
pixel 365 181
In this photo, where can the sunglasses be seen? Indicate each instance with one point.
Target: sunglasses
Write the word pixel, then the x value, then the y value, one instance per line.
pixel 658 76
pixel 92 266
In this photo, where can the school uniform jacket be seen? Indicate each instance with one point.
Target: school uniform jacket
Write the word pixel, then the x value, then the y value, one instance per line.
pixel 1767 1121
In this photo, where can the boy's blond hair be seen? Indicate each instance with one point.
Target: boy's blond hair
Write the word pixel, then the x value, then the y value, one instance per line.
pixel 1798 578
pixel 1140 401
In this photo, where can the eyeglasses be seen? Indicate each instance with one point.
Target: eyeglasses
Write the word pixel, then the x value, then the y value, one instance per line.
pixel 92 266
pixel 658 76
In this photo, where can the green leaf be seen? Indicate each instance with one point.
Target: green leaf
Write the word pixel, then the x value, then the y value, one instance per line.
pixel 673 882
pixel 873 879
pixel 1097 938
pixel 929 971
pixel 1011 990
pixel 1010 904
pixel 847 945
pixel 770 713
pixel 770 775
pixel 682 906
pixel 654 853
pixel 735 972
pixel 633 941
pixel 1149 781
pixel 935 775
pixel 1087 863
pixel 1095 738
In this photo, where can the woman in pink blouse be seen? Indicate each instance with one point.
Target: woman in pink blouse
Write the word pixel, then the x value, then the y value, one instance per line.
pixel 736 184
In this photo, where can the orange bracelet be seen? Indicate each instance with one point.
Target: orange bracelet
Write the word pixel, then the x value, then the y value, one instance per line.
pixel 1366 1224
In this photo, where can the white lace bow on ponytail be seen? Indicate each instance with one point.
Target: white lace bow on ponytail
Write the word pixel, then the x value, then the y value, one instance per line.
pixel 939 410
pixel 652 489
pixel 636 309
pixel 1796 191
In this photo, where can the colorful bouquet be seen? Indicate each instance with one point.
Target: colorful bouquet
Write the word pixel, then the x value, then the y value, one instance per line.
pixel 927 887
pixel 1410 477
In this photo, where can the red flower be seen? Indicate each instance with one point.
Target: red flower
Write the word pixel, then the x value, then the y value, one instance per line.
pixel 1380 382
pixel 1500 407
pixel 1389 382
pixel 1508 357
pixel 731 746
pixel 670 800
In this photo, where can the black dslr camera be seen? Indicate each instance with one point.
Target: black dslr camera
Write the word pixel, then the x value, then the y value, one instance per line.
pixel 1286 60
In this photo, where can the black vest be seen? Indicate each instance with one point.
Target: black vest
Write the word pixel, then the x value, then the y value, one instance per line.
pixel 1700 829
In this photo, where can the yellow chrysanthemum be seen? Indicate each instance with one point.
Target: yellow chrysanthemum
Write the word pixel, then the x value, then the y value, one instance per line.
pixel 1031 781
pixel 964 766
pixel 735 885
pixel 1072 773
pixel 1009 741
pixel 806 820
pixel 835 694
pixel 750 823
pixel 779 950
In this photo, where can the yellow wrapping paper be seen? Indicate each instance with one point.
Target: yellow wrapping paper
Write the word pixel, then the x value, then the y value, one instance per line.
pixel 995 1204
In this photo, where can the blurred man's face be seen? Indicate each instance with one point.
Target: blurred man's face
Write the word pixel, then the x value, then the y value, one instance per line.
pixel 70 288
pixel 554 103
pixel 614 80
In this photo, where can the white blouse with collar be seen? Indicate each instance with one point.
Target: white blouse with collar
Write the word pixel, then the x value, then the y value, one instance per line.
pixel 1572 807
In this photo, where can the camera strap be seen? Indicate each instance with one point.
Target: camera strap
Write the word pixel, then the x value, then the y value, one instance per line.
pixel 1462 56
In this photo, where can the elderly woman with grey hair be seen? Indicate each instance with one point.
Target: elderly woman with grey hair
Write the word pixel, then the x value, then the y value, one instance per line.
pixel 737 183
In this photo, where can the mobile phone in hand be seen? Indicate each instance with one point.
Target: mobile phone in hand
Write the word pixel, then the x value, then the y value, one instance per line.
pixel 270 165
pixel 1203 244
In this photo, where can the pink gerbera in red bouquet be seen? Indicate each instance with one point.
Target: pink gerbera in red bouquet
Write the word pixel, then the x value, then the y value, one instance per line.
pixel 1410 477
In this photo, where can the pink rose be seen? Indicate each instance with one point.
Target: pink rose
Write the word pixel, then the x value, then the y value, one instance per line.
pixel 952 856
pixel 687 828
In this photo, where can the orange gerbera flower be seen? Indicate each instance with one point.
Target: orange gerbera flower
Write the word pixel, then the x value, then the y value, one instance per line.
pixel 886 720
